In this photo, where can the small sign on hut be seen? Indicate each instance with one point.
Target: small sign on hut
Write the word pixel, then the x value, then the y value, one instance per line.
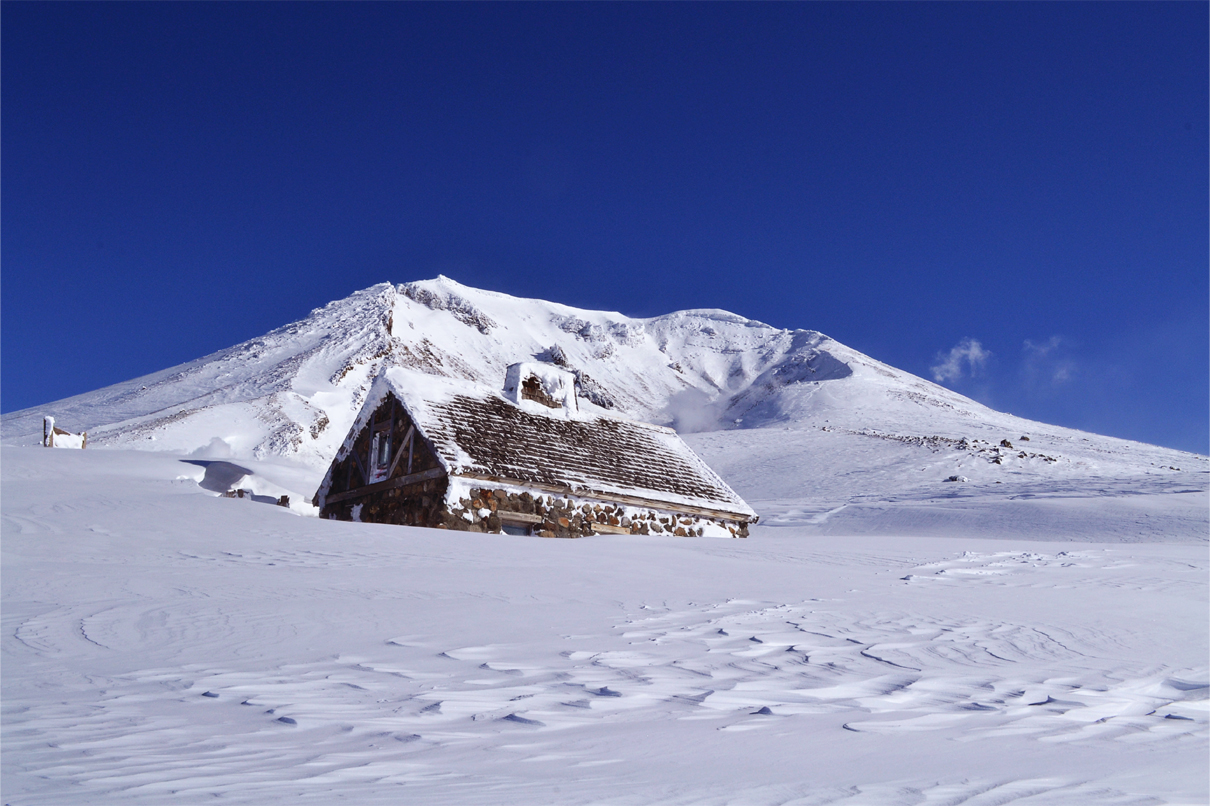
pixel 429 451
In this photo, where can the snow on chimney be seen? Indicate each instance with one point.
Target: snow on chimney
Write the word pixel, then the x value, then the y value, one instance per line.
pixel 541 389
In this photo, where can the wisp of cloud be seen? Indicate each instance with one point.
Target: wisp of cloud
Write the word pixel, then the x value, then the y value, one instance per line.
pixel 967 356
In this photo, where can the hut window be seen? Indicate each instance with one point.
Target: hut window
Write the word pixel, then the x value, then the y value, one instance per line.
pixel 382 452
pixel 514 528
pixel 380 456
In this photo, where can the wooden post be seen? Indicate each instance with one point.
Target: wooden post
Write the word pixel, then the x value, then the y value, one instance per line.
pixel 365 477
pixel 399 454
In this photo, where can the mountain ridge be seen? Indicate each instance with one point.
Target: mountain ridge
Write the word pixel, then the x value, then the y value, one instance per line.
pixel 293 392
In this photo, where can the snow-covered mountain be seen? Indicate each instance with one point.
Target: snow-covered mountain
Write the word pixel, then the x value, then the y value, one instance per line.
pixel 162 639
pixel 841 423
pixel 294 391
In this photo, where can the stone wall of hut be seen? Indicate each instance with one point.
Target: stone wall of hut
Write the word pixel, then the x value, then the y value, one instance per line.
pixel 487 509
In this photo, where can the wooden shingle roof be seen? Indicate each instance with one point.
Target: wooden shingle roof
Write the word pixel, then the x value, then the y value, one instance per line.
pixel 477 433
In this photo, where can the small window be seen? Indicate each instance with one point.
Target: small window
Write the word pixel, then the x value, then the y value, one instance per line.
pixel 514 528
pixel 380 456
pixel 383 460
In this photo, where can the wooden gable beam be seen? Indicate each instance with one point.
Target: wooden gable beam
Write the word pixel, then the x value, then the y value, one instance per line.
pixel 389 484
pixel 399 452
pixel 360 465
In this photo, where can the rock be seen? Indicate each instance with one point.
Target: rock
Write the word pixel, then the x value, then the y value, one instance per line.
pixel 957 478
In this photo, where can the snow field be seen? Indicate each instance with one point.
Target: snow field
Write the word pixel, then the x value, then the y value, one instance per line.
pixel 842 481
pixel 161 644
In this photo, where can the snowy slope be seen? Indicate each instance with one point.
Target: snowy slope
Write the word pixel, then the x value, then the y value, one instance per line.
pixel 1034 634
pixel 162 645
pixel 294 391
pixel 795 398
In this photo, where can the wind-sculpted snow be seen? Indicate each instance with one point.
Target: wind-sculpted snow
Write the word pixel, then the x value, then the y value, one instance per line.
pixel 162 644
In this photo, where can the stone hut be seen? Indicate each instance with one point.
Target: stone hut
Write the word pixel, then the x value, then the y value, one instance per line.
pixel 430 451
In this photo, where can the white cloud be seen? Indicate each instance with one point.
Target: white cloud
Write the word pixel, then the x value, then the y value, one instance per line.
pixel 1042 349
pixel 967 356
pixel 1044 362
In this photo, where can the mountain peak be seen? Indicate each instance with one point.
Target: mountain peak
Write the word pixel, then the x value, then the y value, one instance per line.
pixel 295 391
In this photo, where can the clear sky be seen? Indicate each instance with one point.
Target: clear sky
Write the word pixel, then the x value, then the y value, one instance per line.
pixel 1011 197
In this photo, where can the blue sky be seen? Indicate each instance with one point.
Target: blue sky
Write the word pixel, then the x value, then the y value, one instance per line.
pixel 1011 197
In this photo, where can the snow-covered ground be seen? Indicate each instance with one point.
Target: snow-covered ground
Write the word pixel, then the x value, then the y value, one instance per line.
pixel 941 604
pixel 162 644
pixel 839 482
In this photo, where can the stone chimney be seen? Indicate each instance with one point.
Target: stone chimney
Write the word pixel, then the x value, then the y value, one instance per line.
pixel 541 389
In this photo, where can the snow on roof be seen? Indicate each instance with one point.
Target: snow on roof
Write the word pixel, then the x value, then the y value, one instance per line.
pixel 477 432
